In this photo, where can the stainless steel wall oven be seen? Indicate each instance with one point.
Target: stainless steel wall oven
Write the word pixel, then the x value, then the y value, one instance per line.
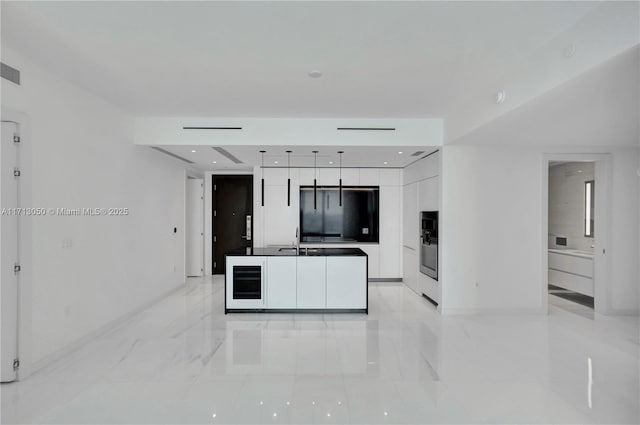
pixel 429 243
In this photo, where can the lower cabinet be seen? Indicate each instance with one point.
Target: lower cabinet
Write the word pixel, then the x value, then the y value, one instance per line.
pixel 281 282
pixel 311 276
pixel 411 267
pixel 345 276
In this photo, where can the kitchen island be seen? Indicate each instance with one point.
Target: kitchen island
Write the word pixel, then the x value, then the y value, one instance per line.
pixel 288 279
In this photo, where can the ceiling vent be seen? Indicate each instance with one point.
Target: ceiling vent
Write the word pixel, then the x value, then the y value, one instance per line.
pixel 9 73
pixel 173 155
pixel 368 128
pixel 417 153
pixel 227 154
pixel 212 128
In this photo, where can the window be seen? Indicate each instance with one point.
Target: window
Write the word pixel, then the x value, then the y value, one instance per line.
pixel 589 192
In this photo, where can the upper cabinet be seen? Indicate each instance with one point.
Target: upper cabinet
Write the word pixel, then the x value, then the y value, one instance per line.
pixel 369 177
pixel 390 177
pixel 424 169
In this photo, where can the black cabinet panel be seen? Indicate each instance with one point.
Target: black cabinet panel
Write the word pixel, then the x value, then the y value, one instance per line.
pixel 323 219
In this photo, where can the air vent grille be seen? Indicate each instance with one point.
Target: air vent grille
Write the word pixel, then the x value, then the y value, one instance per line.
pixel 417 153
pixel 9 73
pixel 212 128
pixel 368 128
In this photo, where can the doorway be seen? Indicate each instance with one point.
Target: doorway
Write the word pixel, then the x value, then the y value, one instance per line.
pixel 232 221
pixel 576 223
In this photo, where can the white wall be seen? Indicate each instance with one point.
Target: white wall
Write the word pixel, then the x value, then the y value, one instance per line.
pixel 90 271
pixel 421 192
pixel 275 223
pixel 493 188
pixel 566 204
pixel 493 249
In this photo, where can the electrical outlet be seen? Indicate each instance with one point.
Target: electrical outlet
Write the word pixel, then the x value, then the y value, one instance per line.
pixel 67 243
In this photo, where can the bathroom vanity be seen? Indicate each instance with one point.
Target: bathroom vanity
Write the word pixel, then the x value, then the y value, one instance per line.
pixel 571 269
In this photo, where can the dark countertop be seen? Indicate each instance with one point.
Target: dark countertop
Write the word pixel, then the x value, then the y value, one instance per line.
pixel 291 252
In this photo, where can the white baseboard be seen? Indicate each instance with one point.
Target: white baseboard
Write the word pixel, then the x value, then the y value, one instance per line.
pixel 493 311
pixel 68 349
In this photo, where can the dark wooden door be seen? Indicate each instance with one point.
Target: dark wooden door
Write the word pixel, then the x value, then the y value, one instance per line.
pixel 232 208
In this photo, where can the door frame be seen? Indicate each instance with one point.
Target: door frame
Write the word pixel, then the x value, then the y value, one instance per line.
pixel 25 243
pixel 602 222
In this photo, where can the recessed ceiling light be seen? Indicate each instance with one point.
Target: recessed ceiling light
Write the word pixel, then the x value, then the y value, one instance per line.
pixel 193 151
pixel 385 163
pixel 275 162
pixel 400 152
pixel 215 162
pixel 315 74
pixel 500 97
pixel 330 162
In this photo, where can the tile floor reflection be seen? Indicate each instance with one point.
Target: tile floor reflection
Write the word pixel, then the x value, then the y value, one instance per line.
pixel 183 361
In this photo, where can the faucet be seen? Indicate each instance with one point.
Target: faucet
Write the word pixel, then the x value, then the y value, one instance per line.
pixel 297 241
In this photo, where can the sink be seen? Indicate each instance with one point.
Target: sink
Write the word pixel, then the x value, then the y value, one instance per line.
pixel 302 251
pixel 309 251
pixel 291 249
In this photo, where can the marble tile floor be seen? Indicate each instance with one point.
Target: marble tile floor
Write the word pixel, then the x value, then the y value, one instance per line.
pixel 182 361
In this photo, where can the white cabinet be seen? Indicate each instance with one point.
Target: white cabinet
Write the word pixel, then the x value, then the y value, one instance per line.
pixel 410 217
pixel 369 176
pixel 429 194
pixel 411 267
pixel 281 219
pixel 571 272
pixel 328 176
pixel 373 252
pixel 390 177
pixel 571 264
pixel 281 282
pixel 311 276
pixel 428 286
pixel 390 232
pixel 346 277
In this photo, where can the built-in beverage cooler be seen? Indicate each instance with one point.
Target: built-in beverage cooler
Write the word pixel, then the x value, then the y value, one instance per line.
pixel 247 290
pixel 429 243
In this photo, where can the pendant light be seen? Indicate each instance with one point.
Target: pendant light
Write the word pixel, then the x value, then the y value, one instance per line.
pixel 262 181
pixel 340 187
pixel 315 179
pixel 288 178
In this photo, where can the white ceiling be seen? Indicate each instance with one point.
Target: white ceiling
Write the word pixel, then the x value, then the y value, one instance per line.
pixel 601 107
pixel 301 156
pixel 379 59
